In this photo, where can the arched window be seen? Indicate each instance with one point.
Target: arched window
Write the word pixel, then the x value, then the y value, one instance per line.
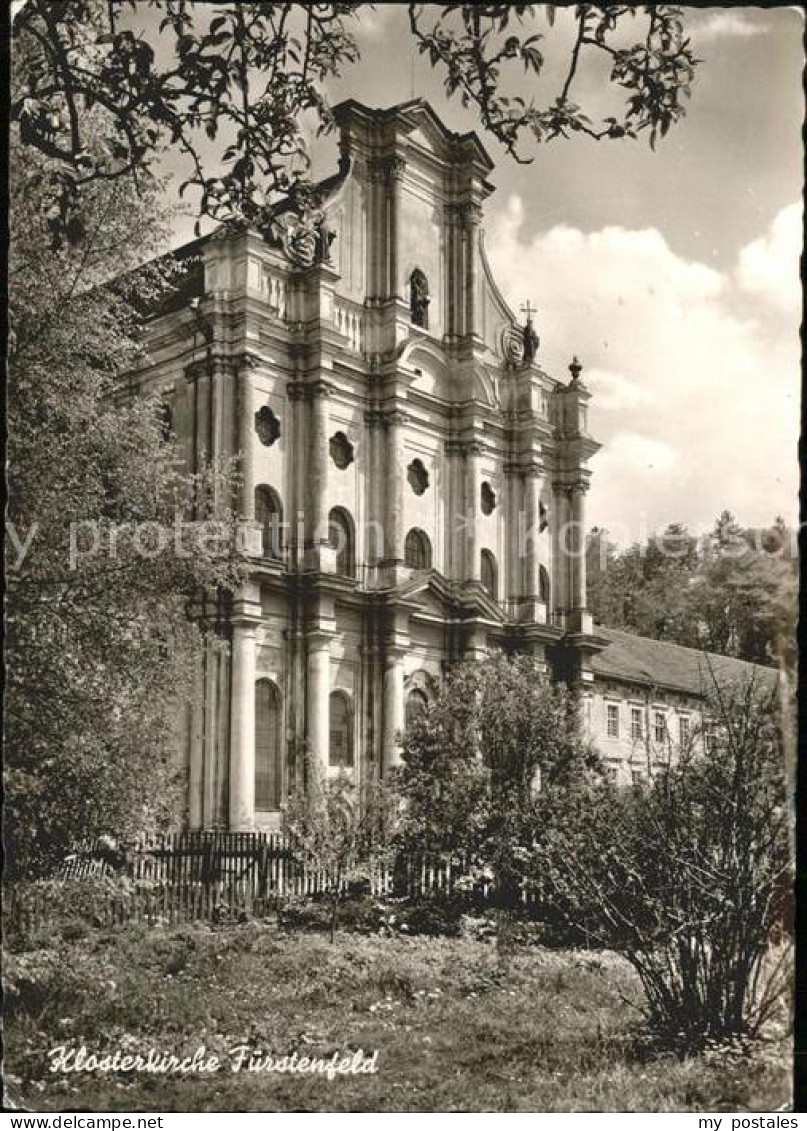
pixel 416 705
pixel 268 779
pixel 269 516
pixel 419 299
pixel 418 550
pixel 543 585
pixel 490 574
pixel 340 748
pixel 340 535
pixel 166 422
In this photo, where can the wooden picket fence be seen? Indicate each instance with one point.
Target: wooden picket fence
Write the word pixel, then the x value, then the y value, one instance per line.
pixel 184 876
pixel 31 907
pixel 269 863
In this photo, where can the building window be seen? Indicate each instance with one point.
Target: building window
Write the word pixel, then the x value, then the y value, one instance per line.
pixel 489 574
pixel 636 729
pixel 710 741
pixel 341 450
pixel 419 299
pixel 417 476
pixel 638 777
pixel 487 499
pixel 267 746
pixel 659 726
pixel 267 426
pixel 612 720
pixel 683 730
pixel 417 550
pixel 340 535
pixel 416 706
pixel 340 750
pixel 543 518
pixel 165 418
pixel 269 516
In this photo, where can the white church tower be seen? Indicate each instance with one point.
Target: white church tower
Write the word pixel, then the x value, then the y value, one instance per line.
pixel 413 481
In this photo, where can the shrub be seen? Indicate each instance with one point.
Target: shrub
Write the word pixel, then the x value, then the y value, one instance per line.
pixel 683 877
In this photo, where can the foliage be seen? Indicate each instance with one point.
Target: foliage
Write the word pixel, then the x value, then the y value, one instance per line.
pixel 474 43
pixel 101 564
pixel 474 760
pixel 420 1001
pixel 228 86
pixel 733 592
pixel 346 830
pixel 686 876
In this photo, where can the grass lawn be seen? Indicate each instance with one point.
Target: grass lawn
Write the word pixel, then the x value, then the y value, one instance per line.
pixel 454 1032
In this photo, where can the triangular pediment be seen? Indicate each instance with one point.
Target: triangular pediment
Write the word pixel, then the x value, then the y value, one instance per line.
pixel 429 132
pixel 437 596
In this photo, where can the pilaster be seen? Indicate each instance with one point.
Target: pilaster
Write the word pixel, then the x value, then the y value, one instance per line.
pixel 245 619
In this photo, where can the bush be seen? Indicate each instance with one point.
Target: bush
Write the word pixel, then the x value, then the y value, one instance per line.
pixel 39 911
pixel 55 980
pixel 684 876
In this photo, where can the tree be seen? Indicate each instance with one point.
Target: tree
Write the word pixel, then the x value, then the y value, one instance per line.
pixel 735 593
pixel 473 762
pixel 243 75
pixel 102 565
pixel 687 877
pixel 346 832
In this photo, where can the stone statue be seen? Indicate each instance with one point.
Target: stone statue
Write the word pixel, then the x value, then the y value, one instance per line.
pixel 325 237
pixel 531 342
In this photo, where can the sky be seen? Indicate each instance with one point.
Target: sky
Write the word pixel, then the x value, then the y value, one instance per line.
pixel 673 274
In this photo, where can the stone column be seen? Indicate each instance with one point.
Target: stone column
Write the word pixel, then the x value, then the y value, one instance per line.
pixel 394 492
pixel 512 560
pixel 472 216
pixel 318 700
pixel 394 707
pixel 317 471
pixel 395 168
pixel 203 422
pixel 211 729
pixel 473 450
pixel 218 393
pixel 561 553
pixel 242 728
pixel 532 517
pixel 577 543
pixel 195 749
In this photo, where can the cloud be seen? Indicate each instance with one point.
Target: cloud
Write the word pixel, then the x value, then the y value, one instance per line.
pixel 694 398
pixel 726 25
pixel 642 453
pixel 373 23
pixel 769 266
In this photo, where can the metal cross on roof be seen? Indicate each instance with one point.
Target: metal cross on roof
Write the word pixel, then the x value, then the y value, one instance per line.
pixel 528 310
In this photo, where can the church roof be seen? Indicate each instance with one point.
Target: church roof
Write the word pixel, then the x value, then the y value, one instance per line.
pixel 413 110
pixel 657 663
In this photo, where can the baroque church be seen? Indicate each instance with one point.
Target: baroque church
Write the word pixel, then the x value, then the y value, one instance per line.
pixel 413 483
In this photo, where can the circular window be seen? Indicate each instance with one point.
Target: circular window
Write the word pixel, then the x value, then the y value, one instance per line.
pixel 488 500
pixel 267 426
pixel 417 476
pixel 341 450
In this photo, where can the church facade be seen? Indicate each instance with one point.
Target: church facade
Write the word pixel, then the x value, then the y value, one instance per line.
pixel 413 483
